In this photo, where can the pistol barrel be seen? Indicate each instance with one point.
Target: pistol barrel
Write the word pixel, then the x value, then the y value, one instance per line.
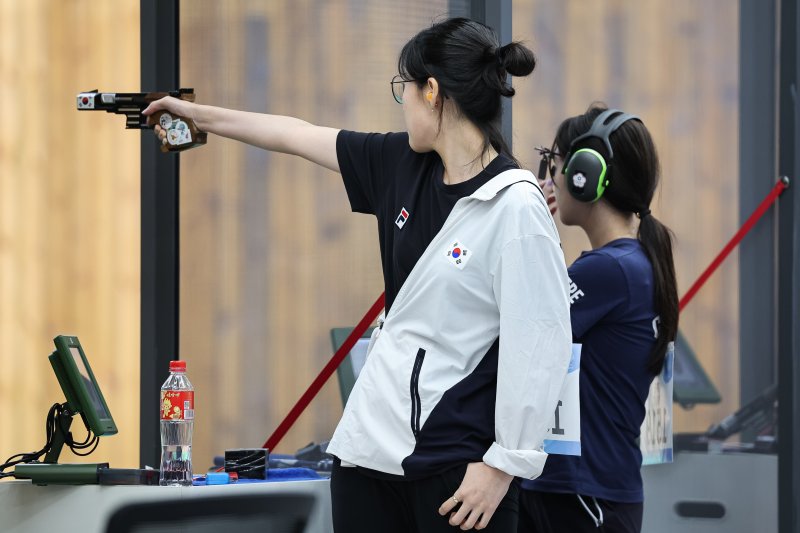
pixel 182 133
pixel 129 104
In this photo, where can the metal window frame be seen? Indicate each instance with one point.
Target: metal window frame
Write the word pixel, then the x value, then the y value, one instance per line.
pixel 757 172
pixel 769 284
pixel 160 252
pixel 497 15
pixel 788 287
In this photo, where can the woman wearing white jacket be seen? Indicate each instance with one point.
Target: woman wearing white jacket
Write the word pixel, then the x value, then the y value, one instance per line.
pixel 454 400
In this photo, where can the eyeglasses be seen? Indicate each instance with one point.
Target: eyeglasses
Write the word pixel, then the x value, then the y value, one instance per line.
pixel 398 86
pixel 547 164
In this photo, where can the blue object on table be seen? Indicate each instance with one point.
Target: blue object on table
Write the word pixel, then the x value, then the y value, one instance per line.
pixel 217 478
pixel 274 475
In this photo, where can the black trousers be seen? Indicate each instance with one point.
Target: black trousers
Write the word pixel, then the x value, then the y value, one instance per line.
pixel 548 512
pixel 363 503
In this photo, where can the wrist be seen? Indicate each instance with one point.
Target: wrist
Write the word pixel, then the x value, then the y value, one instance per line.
pixel 199 114
pixel 500 474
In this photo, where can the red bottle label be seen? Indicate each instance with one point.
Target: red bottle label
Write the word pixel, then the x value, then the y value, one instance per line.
pixel 177 405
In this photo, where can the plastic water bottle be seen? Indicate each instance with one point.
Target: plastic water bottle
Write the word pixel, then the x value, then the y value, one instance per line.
pixel 177 419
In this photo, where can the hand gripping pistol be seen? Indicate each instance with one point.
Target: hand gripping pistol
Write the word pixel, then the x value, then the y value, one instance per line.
pixel 182 133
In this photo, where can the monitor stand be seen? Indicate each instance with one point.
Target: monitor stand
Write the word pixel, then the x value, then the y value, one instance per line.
pixel 50 472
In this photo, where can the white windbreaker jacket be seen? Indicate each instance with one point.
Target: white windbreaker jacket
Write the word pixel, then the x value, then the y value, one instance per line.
pixel 494 269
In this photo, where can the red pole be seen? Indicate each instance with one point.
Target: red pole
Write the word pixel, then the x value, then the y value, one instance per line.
pixel 326 373
pixel 748 225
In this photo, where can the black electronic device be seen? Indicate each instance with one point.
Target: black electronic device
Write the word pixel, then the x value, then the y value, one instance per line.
pixel 313 452
pixel 758 415
pixel 755 414
pixel 247 463
pixel 127 476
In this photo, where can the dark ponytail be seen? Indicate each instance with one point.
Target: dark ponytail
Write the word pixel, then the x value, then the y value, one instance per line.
pixel 634 175
pixel 656 239
pixel 471 68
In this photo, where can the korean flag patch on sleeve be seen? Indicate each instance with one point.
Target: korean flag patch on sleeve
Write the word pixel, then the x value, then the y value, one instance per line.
pixel 458 254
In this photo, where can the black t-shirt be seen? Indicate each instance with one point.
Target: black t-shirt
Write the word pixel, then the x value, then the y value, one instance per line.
pixel 406 193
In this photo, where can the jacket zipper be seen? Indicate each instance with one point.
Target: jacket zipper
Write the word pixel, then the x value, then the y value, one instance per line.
pixel 416 403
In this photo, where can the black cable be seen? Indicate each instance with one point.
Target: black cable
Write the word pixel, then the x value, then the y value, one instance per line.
pixel 33 456
pixel 91 439
pixel 92 444
pixel 56 419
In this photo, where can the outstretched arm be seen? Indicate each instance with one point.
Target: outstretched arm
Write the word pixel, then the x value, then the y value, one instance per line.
pixel 276 133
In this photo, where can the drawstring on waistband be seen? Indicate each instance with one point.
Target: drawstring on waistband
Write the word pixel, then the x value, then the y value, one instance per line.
pixel 598 520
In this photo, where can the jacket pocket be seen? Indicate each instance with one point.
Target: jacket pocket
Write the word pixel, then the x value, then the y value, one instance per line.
pixel 416 403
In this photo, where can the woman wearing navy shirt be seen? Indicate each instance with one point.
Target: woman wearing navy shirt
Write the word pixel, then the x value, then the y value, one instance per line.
pixel 624 312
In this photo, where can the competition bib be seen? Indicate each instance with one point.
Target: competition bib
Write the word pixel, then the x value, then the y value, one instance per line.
pixel 655 437
pixel 564 432
pixel 655 441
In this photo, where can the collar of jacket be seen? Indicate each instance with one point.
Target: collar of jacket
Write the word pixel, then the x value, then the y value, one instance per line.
pixel 505 179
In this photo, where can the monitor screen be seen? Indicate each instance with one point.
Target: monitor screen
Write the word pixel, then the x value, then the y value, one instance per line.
pixel 358 355
pixel 692 384
pixel 98 405
pixel 348 371
pixel 80 385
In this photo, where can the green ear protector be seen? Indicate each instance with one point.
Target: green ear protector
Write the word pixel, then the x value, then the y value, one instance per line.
pixel 586 170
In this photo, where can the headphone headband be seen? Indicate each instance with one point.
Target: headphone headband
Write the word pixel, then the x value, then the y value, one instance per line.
pixel 602 129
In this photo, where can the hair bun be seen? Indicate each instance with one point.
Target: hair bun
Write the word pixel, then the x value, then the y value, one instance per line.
pixel 516 58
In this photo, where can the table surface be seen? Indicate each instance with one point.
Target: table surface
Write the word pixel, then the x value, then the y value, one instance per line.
pixel 745 483
pixel 28 508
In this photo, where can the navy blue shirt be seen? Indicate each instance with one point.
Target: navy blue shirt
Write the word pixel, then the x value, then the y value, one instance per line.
pixel 613 317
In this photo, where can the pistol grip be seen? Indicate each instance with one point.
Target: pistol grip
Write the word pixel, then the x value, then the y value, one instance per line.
pixel 182 133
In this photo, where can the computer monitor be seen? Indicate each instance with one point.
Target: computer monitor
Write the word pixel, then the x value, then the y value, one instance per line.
pixel 692 385
pixel 83 396
pixel 80 386
pixel 352 364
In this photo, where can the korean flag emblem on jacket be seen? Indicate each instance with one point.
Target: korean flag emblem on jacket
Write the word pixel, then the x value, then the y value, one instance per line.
pixel 458 254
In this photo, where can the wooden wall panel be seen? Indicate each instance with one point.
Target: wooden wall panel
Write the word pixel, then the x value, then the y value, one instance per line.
pixel 69 215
